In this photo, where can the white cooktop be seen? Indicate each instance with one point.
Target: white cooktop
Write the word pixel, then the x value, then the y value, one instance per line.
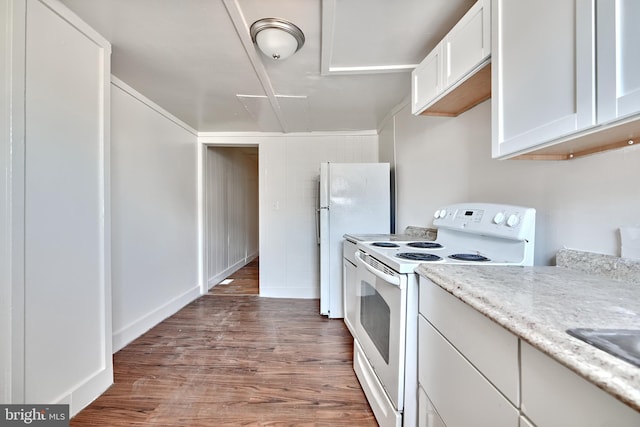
pixel 504 234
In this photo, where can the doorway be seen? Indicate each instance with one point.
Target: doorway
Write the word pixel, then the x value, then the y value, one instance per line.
pixel 231 233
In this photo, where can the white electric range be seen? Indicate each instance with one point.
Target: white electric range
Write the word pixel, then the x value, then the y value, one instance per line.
pixel 382 307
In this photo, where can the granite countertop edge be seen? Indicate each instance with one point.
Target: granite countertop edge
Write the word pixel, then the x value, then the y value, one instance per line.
pixel 617 377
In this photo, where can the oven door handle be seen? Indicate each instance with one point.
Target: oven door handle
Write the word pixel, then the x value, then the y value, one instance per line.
pixel 382 275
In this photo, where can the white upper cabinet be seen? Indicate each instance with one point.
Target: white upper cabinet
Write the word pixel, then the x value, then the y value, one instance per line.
pixel 468 44
pixel 618 59
pixel 559 86
pixel 426 80
pixel 454 76
pixel 543 71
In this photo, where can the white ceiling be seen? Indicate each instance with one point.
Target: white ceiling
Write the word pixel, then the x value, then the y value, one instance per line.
pixel 196 60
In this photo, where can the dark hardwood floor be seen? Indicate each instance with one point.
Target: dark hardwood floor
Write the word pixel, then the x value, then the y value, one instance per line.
pixel 245 281
pixel 236 360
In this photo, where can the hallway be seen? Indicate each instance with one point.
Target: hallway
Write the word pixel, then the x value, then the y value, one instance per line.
pixel 233 358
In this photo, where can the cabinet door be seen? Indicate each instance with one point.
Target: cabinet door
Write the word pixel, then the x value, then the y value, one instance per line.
pixel 468 43
pixel 552 395
pixel 543 64
pixel 618 59
pixel 426 80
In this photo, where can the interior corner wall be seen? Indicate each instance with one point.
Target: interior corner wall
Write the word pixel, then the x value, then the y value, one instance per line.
pixel 386 154
pixel 432 166
pixel 289 173
pixel 154 215
pixel 231 210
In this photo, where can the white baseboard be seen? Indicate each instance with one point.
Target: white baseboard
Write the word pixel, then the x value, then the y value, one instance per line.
pixel 88 391
pixel 132 331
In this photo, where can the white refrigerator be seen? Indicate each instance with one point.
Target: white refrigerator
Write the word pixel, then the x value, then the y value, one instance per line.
pixel 354 198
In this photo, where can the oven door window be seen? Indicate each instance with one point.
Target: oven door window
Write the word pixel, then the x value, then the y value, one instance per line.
pixel 375 318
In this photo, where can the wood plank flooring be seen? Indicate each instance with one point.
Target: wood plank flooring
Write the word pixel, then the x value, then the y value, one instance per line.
pixel 236 360
pixel 245 281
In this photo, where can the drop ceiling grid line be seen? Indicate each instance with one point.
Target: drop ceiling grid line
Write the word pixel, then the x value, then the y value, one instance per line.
pixel 328 25
pixel 240 24
pixel 328 35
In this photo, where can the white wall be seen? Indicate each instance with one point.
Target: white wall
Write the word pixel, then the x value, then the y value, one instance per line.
pixel 289 166
pixel 431 166
pixel 154 214
pixel 289 170
pixel 231 210
pixel 580 203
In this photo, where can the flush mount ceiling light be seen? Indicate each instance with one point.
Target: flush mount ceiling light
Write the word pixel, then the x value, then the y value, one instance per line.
pixel 276 38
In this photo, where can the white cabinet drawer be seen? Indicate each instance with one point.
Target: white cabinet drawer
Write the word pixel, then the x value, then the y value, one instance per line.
pixel 492 349
pixel 552 395
pixel 461 395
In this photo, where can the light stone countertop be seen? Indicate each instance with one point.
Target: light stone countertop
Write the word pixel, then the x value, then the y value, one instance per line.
pixel 538 304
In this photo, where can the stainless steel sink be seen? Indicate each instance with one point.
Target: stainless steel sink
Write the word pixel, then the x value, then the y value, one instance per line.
pixel 621 343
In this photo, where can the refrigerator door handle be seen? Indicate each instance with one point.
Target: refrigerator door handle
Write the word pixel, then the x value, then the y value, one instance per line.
pixel 318 224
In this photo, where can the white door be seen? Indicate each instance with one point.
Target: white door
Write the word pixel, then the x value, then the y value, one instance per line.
pixel 618 59
pixel 67 252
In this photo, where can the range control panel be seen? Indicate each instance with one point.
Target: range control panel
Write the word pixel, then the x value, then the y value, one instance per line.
pixel 489 219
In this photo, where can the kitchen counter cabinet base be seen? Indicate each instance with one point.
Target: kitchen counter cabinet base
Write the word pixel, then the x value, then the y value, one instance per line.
pixel 552 395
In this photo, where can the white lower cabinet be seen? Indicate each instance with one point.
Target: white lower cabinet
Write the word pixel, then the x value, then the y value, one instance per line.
pixel 468 365
pixel 459 392
pixel 473 372
pixel 552 395
pixel 427 416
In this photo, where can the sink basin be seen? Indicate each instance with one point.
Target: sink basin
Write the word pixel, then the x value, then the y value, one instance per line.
pixel 621 343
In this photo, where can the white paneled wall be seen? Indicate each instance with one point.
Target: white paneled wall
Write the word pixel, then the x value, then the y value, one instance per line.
pixel 55 327
pixel 289 167
pixel 580 203
pixel 231 187
pixel 289 170
pixel 154 212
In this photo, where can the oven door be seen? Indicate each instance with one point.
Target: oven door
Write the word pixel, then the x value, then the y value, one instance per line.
pixel 380 327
